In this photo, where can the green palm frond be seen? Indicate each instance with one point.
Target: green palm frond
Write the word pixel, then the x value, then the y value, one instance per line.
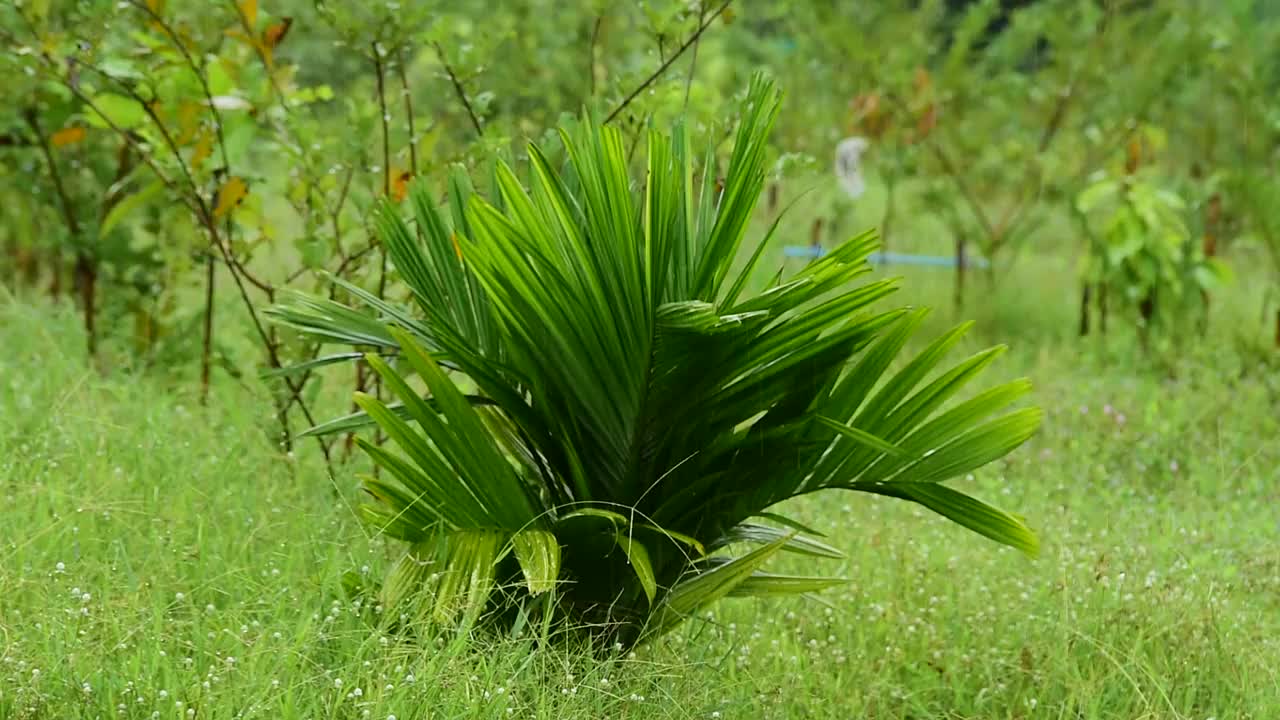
pixel 632 407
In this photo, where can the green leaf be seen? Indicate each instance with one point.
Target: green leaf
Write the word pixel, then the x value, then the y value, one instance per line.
pixel 638 556
pixel 312 364
pixel 768 585
pixel 674 536
pixel 538 552
pixel 974 514
pixel 763 534
pixel 127 205
pixel 862 437
pixel 112 109
pixel 691 594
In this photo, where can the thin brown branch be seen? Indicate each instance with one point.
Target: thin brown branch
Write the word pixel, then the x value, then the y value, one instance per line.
pixel 408 111
pixel 591 56
pixel 11 140
pixel 384 119
pixel 64 201
pixel 702 27
pixel 953 173
pixel 693 58
pixel 459 90
pixel 85 270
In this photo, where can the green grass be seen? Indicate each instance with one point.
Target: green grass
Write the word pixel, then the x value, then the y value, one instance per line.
pixel 161 559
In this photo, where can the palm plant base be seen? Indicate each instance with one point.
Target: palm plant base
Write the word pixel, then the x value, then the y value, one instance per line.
pixel 631 411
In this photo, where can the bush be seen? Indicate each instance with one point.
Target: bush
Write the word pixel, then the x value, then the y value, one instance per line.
pixel 607 410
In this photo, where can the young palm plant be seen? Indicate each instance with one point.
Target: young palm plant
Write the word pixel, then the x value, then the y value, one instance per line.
pixel 591 407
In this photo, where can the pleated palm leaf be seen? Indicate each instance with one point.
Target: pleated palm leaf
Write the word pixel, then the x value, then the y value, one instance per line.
pixel 631 414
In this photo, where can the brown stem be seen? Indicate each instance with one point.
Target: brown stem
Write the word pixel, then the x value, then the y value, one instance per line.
pixel 459 90
pixel 380 72
pixel 1086 291
pixel 408 112
pixel 591 56
pixel 693 58
pixel 206 345
pixel 1102 308
pixel 86 272
pixel 1278 328
pixel 702 27
pixel 958 299
pixel 886 222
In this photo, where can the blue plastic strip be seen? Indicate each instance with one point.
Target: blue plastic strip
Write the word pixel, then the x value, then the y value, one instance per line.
pixel 809 251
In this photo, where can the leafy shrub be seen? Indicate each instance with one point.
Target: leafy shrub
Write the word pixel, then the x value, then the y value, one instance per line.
pixel 607 410
pixel 1143 249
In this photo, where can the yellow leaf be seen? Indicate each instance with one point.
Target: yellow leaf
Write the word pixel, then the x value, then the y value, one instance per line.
pixel 728 15
pixel 457 249
pixel 156 6
pixel 67 136
pixel 204 148
pixel 188 122
pixel 400 184
pixel 249 8
pixel 229 195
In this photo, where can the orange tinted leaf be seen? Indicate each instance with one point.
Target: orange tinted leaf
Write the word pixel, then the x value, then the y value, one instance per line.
pixel 1134 156
pixel 67 136
pixel 457 249
pixel 400 185
pixel 274 34
pixel 188 122
pixel 928 121
pixel 229 195
pixel 271 37
pixel 922 79
pixel 249 8
pixel 204 148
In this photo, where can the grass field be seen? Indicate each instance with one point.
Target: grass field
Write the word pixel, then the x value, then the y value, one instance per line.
pixel 159 559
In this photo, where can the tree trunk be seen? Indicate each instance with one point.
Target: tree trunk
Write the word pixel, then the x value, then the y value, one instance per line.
pixel 349 442
pixel 86 283
pixel 958 299
pixel 1210 248
pixel 55 275
pixel 815 238
pixel 887 221
pixel 28 267
pixel 1147 311
pixel 206 350
pixel 1102 308
pixel 1085 292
